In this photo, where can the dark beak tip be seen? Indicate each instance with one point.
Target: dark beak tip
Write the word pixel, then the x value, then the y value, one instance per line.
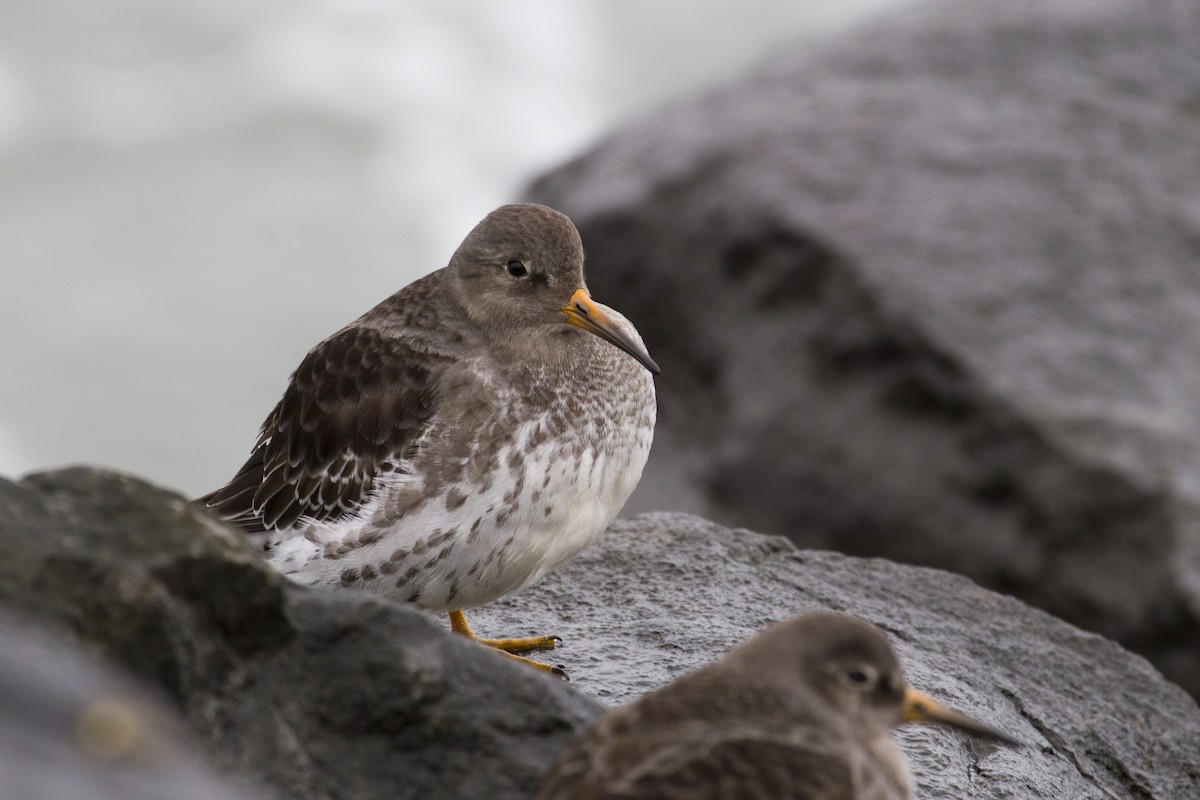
pixel 989 734
pixel 1008 741
pixel 579 316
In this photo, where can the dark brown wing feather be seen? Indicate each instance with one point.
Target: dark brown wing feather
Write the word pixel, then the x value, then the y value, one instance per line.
pixel 352 410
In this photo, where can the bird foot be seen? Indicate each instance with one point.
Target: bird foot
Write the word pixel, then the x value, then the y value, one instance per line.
pixel 522 644
pixel 511 646
pixel 556 671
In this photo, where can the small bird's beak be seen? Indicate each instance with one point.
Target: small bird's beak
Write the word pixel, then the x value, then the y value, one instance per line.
pixel 583 312
pixel 920 707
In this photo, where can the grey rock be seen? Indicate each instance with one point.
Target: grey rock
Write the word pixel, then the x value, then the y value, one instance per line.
pixel 73 728
pixel 930 293
pixel 339 695
pixel 316 694
pixel 662 594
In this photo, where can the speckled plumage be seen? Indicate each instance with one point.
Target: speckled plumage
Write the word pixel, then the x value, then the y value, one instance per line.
pixel 461 438
pixel 802 711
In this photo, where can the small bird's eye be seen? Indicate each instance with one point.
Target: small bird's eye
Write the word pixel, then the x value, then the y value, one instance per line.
pixel 858 677
pixel 517 269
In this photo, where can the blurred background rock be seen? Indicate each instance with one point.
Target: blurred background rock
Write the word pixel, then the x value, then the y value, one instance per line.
pixel 930 293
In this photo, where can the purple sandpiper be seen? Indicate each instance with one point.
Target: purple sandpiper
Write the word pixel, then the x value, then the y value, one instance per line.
pixel 802 711
pixel 461 438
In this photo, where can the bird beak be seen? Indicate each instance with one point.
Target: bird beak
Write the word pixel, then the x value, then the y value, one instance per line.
pixel 583 312
pixel 920 707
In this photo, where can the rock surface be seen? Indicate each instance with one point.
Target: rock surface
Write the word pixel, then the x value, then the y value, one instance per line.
pixel 317 694
pixel 339 695
pixel 70 728
pixel 931 294
pixel 665 593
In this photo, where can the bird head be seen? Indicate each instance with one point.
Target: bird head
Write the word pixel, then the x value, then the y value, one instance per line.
pixel 520 275
pixel 852 668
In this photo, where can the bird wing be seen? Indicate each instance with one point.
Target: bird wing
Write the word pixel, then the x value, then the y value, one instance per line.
pixel 354 410
pixel 730 768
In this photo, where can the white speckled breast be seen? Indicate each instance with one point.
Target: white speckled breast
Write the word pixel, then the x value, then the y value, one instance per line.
pixel 561 457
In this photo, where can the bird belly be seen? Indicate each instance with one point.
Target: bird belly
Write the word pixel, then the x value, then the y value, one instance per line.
pixel 541 506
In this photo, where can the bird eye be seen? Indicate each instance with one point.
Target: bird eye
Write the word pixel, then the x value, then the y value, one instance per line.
pixel 858 677
pixel 517 269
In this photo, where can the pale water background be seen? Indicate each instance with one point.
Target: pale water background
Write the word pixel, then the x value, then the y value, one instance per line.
pixel 194 193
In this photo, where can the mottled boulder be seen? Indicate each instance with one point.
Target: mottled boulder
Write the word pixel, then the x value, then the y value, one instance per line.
pixel 316 694
pixel 665 593
pixel 929 292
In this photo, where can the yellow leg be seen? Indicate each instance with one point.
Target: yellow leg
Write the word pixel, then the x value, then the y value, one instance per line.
pixel 510 647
